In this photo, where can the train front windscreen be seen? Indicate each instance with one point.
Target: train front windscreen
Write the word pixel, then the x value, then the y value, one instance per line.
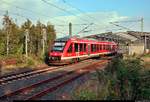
pixel 58 46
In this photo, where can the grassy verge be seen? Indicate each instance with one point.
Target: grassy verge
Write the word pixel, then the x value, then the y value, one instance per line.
pixel 121 80
pixel 147 55
pixel 22 63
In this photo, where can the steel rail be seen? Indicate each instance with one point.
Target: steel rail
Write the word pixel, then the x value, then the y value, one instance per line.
pixel 17 76
pixel 51 89
pixel 41 83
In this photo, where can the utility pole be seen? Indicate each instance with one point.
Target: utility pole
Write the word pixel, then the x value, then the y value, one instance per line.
pixel 7 27
pixel 7 43
pixel 26 41
pixel 145 39
pixel 70 29
pixel 44 39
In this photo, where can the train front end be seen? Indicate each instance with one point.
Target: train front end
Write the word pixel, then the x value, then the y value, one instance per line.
pixel 56 53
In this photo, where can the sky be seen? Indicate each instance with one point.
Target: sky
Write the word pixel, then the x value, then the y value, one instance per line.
pixel 96 14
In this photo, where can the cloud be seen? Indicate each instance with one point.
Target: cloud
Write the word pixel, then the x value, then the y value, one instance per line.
pixel 100 19
pixel 45 13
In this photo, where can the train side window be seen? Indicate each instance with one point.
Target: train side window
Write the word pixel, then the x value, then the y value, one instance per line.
pixel 76 47
pixel 100 47
pixel 81 47
pixel 107 47
pixel 91 47
pixel 94 48
pixel 84 47
pixel 70 49
pixel 97 47
pixel 103 47
pixel 110 47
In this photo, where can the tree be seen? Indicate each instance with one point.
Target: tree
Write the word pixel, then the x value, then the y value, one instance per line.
pixel 51 35
pixel 7 26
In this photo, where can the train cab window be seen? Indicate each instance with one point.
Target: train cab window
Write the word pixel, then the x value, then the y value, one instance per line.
pixel 58 46
pixel 70 49
pixel 81 47
pixel 84 47
pixel 76 47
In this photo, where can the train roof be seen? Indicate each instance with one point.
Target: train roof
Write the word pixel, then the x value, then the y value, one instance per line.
pixel 77 38
pixel 66 38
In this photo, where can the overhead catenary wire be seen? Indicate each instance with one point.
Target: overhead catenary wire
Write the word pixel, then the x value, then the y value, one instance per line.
pixel 130 24
pixel 27 10
pixel 64 10
pixel 17 14
pixel 87 15
pixel 72 24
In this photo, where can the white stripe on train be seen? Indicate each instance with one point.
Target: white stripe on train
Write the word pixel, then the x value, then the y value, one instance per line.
pixel 64 58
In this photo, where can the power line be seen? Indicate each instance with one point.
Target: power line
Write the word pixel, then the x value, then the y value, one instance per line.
pixel 79 10
pixel 72 24
pixel 85 28
pixel 24 9
pixel 119 26
pixel 17 14
pixel 64 10
pixel 128 21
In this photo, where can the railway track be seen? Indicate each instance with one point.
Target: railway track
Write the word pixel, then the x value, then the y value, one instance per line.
pixel 18 76
pixel 30 93
pixel 24 75
pixel 31 73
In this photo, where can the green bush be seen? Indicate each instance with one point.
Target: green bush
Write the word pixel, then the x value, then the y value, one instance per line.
pixel 85 95
pixel 130 81
pixel 121 80
pixel 30 62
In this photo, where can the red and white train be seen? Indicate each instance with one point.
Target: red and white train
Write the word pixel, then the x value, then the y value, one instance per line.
pixel 71 50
